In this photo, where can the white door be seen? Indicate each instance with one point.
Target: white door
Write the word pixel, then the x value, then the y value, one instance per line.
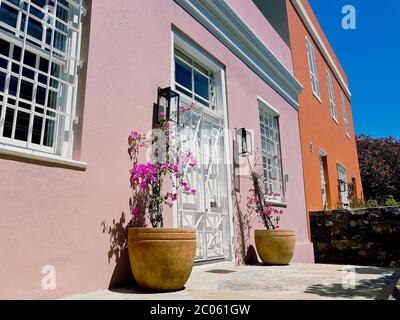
pixel 208 210
pixel 323 183
pixel 344 192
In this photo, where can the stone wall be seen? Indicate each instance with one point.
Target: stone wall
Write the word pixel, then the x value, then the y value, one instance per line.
pixel 358 237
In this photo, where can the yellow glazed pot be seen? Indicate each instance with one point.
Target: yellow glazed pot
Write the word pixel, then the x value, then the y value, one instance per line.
pixel 161 259
pixel 275 246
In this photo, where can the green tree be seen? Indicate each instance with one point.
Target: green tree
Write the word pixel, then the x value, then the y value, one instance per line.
pixel 380 166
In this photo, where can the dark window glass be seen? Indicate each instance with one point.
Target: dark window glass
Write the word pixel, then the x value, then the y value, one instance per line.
pixel 183 75
pixel 44 65
pixel 62 13
pixel 3 63
pixel 22 125
pixel 42 79
pixel 201 85
pixel 40 3
pixel 17 53
pixel 52 100
pixel 8 122
pixel 2 81
pixel 28 73
pixel 15 68
pixel 40 95
pixel 24 105
pixel 59 41
pixel 30 59
pixel 55 70
pixel 4 47
pixel 37 129
pixel 49 133
pixel 35 29
pixel 26 90
pixel 48 36
pixel 12 88
pixel 8 15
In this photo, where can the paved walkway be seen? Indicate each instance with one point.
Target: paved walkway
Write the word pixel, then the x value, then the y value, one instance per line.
pixel 296 281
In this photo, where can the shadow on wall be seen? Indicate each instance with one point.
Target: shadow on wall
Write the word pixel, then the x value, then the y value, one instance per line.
pixel 118 231
pixel 377 289
pixel 118 237
pixel 244 253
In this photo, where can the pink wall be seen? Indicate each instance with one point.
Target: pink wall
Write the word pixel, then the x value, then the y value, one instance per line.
pixel 253 17
pixel 52 215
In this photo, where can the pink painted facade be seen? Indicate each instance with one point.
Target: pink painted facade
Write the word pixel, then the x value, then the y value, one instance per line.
pixel 52 214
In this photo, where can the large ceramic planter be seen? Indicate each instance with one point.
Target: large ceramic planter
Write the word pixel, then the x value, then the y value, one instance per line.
pixel 161 259
pixel 275 247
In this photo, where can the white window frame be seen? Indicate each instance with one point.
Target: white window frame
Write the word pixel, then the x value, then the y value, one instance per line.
pixel 341 171
pixel 324 183
pixel 66 93
pixel 266 110
pixel 345 118
pixel 210 102
pixel 312 64
pixel 332 102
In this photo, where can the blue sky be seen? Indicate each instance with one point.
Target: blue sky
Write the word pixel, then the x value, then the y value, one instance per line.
pixel 370 56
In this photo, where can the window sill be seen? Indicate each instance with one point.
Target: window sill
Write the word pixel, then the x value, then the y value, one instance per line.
pixel 40 157
pixel 336 120
pixel 317 97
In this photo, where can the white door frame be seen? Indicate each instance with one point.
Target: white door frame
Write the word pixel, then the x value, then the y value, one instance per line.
pixel 228 152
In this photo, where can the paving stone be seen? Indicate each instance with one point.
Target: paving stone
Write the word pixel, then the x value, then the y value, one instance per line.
pixel 292 282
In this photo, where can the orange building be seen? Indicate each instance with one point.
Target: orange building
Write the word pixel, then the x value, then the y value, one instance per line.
pixel 330 161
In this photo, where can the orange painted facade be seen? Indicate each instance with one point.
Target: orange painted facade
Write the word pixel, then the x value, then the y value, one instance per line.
pixel 322 138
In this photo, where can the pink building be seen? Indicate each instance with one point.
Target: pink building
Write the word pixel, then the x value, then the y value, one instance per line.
pixel 76 78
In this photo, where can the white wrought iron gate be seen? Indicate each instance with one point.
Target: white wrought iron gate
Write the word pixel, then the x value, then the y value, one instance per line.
pixel 208 210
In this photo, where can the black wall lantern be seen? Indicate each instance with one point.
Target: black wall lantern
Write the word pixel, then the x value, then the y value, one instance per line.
pixel 342 185
pixel 244 142
pixel 168 103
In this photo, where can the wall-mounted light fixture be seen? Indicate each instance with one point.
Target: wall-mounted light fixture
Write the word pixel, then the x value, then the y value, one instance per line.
pixel 167 103
pixel 342 185
pixel 244 142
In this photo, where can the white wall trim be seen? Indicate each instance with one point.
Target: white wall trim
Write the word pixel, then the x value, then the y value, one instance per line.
pixel 227 26
pixel 40 156
pixel 314 33
pixel 269 106
pixel 322 152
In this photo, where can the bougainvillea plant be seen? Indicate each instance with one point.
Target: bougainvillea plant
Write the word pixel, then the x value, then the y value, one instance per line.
pixel 167 161
pixel 257 202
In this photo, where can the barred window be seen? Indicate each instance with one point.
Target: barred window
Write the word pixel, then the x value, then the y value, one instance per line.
pixel 271 153
pixel 39 61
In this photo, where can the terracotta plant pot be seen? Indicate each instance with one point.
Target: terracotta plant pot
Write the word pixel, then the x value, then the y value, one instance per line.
pixel 161 259
pixel 275 246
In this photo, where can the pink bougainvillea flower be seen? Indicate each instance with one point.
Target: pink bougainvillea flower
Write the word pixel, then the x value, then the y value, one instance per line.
pixel 162 115
pixel 135 212
pixel 194 191
pixel 143 185
pixel 133 136
pixel 174 197
pixel 184 108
